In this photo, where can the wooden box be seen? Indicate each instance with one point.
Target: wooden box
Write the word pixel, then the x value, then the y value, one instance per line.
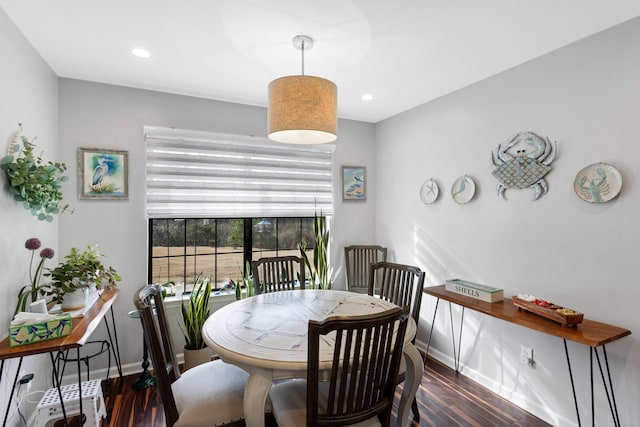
pixel 562 315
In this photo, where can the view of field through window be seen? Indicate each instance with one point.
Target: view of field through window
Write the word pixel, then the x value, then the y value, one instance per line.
pixel 180 249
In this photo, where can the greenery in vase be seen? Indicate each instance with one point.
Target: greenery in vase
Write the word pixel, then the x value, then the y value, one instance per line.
pixel 320 275
pixel 29 293
pixel 32 181
pixel 195 312
pixel 80 270
pixel 247 282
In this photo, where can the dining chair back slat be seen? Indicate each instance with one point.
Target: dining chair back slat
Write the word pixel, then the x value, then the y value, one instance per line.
pixel 161 350
pixel 274 274
pixel 364 368
pixel 398 283
pixel 358 258
pixel 402 285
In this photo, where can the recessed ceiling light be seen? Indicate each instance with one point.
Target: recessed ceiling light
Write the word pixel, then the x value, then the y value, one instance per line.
pixel 140 53
pixel 367 97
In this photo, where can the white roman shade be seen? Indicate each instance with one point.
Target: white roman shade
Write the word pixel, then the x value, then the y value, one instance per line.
pixel 203 174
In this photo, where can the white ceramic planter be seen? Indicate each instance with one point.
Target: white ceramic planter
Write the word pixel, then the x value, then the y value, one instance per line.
pixel 74 300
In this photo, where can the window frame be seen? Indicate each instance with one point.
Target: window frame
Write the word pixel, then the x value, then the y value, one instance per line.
pixel 248 250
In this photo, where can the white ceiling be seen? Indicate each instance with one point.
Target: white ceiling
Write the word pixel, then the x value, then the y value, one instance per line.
pixel 403 52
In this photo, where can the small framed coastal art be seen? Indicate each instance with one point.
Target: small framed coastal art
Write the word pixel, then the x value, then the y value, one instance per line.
pixel 354 183
pixel 103 174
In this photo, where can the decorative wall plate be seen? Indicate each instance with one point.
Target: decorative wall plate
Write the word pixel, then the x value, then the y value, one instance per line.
pixel 598 183
pixel 429 192
pixel 463 189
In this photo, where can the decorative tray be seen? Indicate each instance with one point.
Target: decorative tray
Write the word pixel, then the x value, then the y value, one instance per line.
pixel 564 316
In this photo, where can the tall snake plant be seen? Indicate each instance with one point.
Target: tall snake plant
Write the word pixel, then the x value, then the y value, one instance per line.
pixel 195 312
pixel 320 275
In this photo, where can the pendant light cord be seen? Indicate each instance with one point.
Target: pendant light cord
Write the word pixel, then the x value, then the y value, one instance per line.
pixel 302 49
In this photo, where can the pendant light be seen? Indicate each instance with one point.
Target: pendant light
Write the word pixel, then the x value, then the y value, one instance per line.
pixel 302 109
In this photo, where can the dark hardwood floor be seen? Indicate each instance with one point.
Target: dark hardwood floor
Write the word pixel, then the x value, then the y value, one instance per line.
pixel 445 399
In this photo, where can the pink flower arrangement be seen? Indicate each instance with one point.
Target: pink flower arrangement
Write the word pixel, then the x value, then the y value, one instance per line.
pixel 30 292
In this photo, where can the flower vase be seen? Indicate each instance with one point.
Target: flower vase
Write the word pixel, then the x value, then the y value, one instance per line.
pixel 74 300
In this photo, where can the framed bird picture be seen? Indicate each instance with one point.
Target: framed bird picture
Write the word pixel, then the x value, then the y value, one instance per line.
pixel 103 174
pixel 354 183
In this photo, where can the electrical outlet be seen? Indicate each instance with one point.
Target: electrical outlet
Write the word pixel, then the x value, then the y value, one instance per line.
pixel 26 378
pixel 526 355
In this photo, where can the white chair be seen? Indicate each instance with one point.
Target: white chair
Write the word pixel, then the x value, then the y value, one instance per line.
pixel 210 394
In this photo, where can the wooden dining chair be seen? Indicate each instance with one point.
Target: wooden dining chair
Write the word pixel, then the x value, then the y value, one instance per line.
pixel 273 274
pixel 360 385
pixel 402 285
pixel 210 394
pixel 357 260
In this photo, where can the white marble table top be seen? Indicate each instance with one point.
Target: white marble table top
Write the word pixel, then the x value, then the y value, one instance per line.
pixel 270 330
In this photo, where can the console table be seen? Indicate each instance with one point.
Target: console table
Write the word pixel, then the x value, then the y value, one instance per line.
pixel 593 334
pixel 81 330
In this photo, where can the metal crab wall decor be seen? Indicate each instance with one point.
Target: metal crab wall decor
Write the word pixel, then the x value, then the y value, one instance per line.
pixel 522 162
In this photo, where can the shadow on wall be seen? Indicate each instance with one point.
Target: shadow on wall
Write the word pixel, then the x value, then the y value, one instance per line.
pixel 438 262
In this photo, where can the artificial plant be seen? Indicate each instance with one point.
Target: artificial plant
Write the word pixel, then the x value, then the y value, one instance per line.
pixel 33 181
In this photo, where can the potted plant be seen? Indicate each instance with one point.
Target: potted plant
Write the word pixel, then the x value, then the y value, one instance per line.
pixel 81 271
pixel 194 313
pixel 247 282
pixel 32 181
pixel 29 293
pixel 320 274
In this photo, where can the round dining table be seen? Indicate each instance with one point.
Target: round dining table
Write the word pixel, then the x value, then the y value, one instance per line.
pixel 266 335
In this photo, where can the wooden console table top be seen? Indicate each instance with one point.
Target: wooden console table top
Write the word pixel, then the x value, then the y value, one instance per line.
pixel 82 329
pixel 589 332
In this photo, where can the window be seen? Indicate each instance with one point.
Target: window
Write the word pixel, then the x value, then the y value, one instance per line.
pixel 215 201
pixel 182 248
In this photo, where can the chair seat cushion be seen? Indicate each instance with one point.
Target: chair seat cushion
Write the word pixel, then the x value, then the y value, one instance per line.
pixel 289 403
pixel 210 395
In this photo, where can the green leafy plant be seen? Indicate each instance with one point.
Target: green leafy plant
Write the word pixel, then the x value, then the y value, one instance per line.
pixel 247 282
pixel 29 293
pixel 32 181
pixel 80 270
pixel 195 312
pixel 320 274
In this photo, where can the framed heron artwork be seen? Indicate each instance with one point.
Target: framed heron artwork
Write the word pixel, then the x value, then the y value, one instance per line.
pixel 354 181
pixel 103 174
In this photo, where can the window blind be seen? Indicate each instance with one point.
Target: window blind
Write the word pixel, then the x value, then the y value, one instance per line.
pixel 203 174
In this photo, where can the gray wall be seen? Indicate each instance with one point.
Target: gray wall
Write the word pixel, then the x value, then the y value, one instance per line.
pixel 102 116
pixel 585 96
pixel 560 248
pixel 29 91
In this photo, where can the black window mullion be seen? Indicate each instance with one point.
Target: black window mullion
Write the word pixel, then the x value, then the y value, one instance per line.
pixel 248 242
pixel 215 252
